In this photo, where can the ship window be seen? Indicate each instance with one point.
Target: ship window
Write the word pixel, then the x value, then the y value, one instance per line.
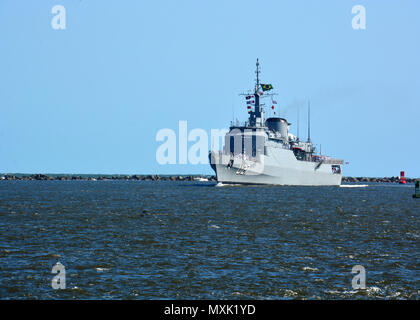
pixel 336 169
pixel 299 154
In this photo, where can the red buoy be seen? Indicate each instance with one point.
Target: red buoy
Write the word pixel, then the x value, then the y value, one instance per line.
pixel 402 178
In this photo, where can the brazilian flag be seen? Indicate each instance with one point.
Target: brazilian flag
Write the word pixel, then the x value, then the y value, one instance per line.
pixel 266 87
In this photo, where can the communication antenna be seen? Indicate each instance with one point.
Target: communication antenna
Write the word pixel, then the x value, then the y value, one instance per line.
pixel 298 122
pixel 309 121
pixel 233 108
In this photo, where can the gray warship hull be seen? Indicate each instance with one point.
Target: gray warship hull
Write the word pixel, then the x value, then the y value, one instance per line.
pixel 279 169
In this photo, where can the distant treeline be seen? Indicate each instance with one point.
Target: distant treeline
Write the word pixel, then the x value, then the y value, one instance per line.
pixel 163 177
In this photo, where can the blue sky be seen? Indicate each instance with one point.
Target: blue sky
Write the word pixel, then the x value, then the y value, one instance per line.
pixel 91 98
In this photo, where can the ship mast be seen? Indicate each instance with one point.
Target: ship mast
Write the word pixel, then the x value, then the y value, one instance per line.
pixel 257 84
pixel 257 113
pixel 256 117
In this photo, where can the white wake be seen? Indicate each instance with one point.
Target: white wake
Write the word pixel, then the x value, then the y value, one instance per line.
pixel 353 185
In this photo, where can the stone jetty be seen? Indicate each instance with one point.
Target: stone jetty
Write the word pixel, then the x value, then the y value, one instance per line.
pixel 156 177
pixel 93 177
pixel 382 180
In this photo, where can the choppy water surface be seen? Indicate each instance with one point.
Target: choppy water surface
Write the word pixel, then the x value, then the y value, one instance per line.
pixel 153 240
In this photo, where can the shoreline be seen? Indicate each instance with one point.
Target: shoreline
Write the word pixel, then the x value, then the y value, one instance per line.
pixel 156 177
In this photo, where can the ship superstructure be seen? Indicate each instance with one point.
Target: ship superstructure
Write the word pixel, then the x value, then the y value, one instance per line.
pixel 263 151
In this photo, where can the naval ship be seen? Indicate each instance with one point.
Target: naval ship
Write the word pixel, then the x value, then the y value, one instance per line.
pixel 263 151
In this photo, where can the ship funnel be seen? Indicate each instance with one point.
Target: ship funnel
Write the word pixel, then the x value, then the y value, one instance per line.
pixel 279 125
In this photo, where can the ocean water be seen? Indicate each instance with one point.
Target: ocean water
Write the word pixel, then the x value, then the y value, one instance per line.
pixel 192 240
